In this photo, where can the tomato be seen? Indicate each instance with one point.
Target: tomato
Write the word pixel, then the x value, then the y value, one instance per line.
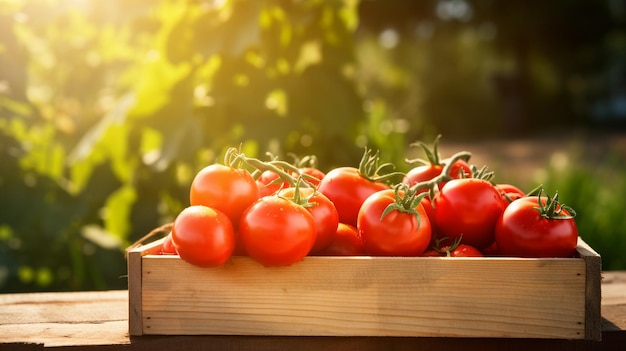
pixel 239 250
pixel 167 248
pixel 529 228
pixel 455 250
pixel 324 214
pixel 269 183
pixel 469 207
pixel 203 236
pixel 276 231
pixel 491 250
pixel 424 173
pixel 224 188
pixel 509 193
pixel 347 189
pixel 430 212
pixel 315 175
pixel 463 250
pixel 347 242
pixel 434 166
pixel 398 233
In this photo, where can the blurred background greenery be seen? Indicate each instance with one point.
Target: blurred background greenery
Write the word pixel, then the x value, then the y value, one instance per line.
pixel 107 109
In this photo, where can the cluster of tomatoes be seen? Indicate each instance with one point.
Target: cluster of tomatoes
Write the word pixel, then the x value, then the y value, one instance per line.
pixel 278 213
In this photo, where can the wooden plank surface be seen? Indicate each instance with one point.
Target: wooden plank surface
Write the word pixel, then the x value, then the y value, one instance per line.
pixel 59 319
pixel 84 319
pixel 363 296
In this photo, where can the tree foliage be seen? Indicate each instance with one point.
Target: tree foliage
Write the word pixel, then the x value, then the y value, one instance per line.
pixel 106 118
pixel 108 108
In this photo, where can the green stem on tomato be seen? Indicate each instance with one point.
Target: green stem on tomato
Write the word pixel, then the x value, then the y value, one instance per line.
pixel 433 156
pixel 482 173
pixel 235 158
pixel 445 173
pixel 298 198
pixel 552 209
pixel 370 169
pixel 406 200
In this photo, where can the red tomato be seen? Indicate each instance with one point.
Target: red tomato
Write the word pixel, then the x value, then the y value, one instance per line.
pixel 347 242
pixel 460 250
pixel 239 250
pixel 509 193
pixel 469 207
pixel 424 173
pixel 324 214
pixel 269 183
pixel 276 232
pixel 421 174
pixel 463 250
pixel 224 188
pixel 398 233
pixel 430 212
pixel 315 175
pixel 491 250
pixel 167 248
pixel 522 231
pixel 347 189
pixel 203 236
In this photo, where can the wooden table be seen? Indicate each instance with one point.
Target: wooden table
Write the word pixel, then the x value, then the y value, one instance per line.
pixel 99 320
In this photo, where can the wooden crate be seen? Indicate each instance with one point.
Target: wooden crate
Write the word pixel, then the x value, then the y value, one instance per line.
pixel 368 296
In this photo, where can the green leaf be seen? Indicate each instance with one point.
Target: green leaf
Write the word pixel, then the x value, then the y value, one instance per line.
pixel 117 210
pixel 101 237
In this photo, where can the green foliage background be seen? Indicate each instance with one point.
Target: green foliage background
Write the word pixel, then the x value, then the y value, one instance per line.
pixel 107 109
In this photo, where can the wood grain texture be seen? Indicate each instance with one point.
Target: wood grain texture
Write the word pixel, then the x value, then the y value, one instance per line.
pixel 382 296
pixel 63 319
pixel 593 267
pixel 90 321
pixel 135 318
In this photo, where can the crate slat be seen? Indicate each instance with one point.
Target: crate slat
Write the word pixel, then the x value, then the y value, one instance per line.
pixel 369 296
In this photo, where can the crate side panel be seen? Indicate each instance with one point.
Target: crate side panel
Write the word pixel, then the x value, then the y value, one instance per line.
pixel 593 264
pixel 367 296
pixel 135 317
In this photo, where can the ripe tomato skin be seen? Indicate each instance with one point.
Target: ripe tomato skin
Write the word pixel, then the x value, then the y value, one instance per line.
pixel 276 232
pixel 522 232
pixel 425 173
pixel 239 250
pixel 324 214
pixel 460 250
pixel 266 185
pixel 167 248
pixel 398 233
pixel 347 189
pixel 430 212
pixel 224 188
pixel 465 251
pixel 469 207
pixel 422 173
pixel 510 191
pixel 491 250
pixel 315 173
pixel 347 242
pixel 203 236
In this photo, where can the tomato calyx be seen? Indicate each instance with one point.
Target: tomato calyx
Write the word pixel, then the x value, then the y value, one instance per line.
pixel 433 156
pixel 444 176
pixel 406 200
pixel 482 173
pixel 446 250
pixel 283 169
pixel 552 209
pixel 305 161
pixel 370 169
pixel 298 197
